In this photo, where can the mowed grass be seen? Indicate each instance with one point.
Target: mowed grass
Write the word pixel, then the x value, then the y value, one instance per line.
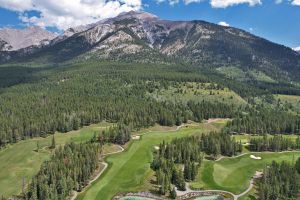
pixel 234 174
pixel 130 170
pixel 21 159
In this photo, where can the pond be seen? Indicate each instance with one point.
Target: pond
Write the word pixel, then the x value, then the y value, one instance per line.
pixel 216 197
pixel 135 198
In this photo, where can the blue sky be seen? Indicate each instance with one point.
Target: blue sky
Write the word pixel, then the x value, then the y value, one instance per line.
pixel 276 20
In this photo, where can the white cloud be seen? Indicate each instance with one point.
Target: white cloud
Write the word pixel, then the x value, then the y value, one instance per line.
pixel 296 2
pixel 297 48
pixel 171 2
pixel 224 24
pixel 192 1
pixel 69 13
pixel 227 3
pixel 217 3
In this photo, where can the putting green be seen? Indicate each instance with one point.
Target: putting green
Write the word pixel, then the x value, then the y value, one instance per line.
pixel 127 171
pixel 234 174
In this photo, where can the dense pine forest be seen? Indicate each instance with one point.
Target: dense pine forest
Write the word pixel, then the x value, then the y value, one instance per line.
pixel 65 99
pixel 280 181
pixel 70 168
pixel 262 120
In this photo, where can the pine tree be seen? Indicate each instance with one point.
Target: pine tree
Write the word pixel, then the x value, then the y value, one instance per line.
pixel 173 194
pixel 37 146
pixel 297 165
pixel 53 145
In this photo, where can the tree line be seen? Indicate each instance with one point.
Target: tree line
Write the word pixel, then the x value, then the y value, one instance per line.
pixel 120 134
pixel 279 181
pixel 274 143
pixel 262 120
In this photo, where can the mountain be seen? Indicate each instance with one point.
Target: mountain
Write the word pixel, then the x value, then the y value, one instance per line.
pixel 16 39
pixel 143 37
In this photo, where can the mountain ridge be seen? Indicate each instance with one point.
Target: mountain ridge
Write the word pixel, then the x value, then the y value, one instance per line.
pixel 143 37
pixel 16 39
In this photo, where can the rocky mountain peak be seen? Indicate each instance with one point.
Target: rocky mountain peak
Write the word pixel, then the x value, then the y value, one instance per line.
pixel 15 39
pixel 137 14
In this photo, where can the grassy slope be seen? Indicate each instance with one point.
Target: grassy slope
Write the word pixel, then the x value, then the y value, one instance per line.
pixel 21 160
pixel 291 101
pixel 239 74
pixel 129 170
pixel 195 92
pixel 234 174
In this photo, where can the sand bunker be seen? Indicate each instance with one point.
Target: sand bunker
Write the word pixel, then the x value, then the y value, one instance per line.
pixel 255 158
pixel 136 137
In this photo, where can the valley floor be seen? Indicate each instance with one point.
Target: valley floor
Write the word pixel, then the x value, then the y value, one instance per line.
pixel 128 170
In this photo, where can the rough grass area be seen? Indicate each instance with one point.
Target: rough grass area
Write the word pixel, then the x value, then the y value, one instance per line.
pixel 130 171
pixel 197 92
pixel 290 102
pixel 234 174
pixel 240 75
pixel 22 160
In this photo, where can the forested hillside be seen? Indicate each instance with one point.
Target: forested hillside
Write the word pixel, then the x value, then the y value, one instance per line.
pixel 69 97
pixel 41 100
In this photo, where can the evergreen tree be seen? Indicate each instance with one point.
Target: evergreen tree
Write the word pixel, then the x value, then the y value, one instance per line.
pixel 173 194
pixel 53 144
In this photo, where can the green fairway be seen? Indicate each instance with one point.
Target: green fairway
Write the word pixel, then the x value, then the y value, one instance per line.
pixel 128 171
pixel 21 160
pixel 234 174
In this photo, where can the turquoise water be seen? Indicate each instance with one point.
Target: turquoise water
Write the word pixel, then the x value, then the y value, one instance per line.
pixel 135 198
pixel 210 198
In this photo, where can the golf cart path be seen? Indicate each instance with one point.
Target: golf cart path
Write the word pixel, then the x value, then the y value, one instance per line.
pixel 75 193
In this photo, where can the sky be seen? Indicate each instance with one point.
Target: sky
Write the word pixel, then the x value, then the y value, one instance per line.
pixel 275 20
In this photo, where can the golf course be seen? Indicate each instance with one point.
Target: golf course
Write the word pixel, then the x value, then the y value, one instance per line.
pixel 130 170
